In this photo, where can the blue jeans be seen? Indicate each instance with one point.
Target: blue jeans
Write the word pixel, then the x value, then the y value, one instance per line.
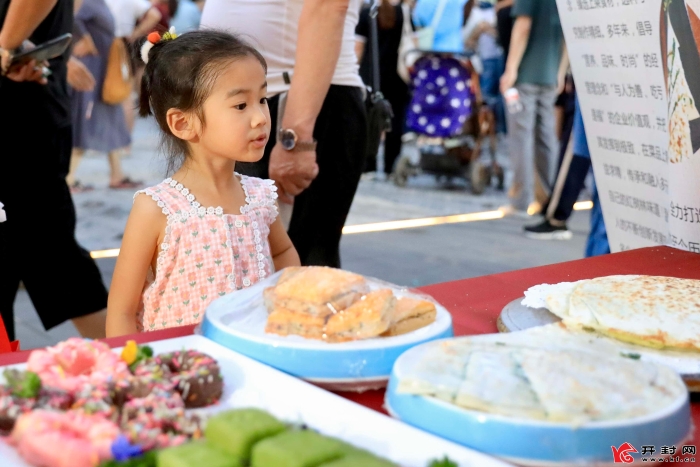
pixel 490 89
pixel 597 243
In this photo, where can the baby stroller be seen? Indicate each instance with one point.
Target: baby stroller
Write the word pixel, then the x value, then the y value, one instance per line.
pixel 451 121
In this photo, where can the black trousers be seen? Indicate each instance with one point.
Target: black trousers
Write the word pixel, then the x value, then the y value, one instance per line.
pixel 321 210
pixel 37 242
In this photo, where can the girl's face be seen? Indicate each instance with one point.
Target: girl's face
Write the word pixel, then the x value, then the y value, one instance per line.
pixel 237 118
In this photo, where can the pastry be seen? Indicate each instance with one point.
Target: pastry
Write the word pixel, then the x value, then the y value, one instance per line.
pixel 556 384
pixel 236 431
pixel 316 290
pixel 411 314
pixel 368 317
pixel 651 311
pixel 196 376
pixel 296 448
pixel 284 322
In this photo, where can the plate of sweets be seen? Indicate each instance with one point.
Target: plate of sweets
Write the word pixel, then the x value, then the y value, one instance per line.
pixel 81 404
pixel 337 329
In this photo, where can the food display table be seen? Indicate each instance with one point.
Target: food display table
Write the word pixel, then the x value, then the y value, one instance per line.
pixel 476 303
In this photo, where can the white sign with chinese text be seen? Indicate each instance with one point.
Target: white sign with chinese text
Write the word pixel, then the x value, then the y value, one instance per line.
pixel 637 71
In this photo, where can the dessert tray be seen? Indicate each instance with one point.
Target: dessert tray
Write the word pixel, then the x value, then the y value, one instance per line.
pixel 238 321
pixel 249 384
pixel 537 405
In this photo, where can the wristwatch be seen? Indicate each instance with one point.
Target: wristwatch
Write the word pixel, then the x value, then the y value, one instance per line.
pixel 290 141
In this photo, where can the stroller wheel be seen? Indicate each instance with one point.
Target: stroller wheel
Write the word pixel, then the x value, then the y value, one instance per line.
pixel 402 171
pixel 478 176
pixel 500 177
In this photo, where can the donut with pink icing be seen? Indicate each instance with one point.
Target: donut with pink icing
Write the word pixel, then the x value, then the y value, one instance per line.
pixel 64 439
pixel 74 363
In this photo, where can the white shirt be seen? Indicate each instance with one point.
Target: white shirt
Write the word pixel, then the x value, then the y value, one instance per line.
pixel 271 27
pixel 126 14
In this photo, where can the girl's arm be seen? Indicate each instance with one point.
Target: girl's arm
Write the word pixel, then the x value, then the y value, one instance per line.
pixel 139 247
pixel 283 252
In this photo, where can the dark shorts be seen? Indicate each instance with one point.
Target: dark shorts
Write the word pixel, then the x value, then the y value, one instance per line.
pixel 37 242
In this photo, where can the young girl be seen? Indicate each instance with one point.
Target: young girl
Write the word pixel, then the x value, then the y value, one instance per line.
pixel 205 231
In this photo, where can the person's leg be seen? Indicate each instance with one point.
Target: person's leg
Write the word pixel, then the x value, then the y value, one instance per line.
pixel 75 158
pixel 116 174
pixel 521 128
pixel 567 194
pixel 545 142
pixel 61 278
pixel 321 210
pixel 392 142
pixel 10 254
pixel 597 243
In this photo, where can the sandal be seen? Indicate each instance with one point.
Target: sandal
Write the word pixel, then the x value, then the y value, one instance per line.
pixel 78 187
pixel 125 183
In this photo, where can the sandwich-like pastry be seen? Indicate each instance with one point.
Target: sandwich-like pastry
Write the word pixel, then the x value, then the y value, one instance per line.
pixel 411 314
pixel 284 322
pixel 368 317
pixel 315 290
pixel 651 311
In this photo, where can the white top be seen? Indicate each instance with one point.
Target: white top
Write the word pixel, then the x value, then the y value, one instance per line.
pixel 126 13
pixel 271 27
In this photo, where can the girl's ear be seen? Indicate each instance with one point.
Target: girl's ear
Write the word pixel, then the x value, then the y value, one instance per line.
pixel 183 125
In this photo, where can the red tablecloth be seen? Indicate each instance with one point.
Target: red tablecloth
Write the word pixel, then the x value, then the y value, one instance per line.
pixel 476 303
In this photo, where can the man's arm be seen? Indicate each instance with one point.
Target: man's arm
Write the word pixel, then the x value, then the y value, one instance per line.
pixel 320 36
pixel 318 47
pixel 147 24
pixel 518 45
pixel 23 17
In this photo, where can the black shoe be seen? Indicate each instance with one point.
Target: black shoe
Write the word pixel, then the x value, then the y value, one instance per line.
pixel 547 231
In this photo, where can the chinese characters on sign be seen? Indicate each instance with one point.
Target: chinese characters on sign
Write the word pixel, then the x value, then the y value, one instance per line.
pixel 639 91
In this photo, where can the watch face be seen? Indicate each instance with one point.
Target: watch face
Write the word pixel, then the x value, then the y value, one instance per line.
pixel 288 139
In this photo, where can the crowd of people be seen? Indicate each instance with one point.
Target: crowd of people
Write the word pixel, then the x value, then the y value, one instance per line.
pixel 273 90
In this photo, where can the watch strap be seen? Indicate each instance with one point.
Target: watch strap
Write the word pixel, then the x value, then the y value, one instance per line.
pixel 305 146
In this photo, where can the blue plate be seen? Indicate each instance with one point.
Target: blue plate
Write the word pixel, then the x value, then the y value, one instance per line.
pixel 534 442
pixel 237 321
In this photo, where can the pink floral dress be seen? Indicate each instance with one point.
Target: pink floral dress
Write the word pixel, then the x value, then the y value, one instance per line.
pixel 205 253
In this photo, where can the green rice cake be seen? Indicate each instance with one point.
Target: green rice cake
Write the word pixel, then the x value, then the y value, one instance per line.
pixel 298 448
pixel 196 454
pixel 236 431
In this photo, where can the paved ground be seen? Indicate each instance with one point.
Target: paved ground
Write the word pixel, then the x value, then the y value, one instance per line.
pixel 410 257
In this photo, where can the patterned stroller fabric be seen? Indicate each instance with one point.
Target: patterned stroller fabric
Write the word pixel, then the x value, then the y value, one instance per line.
pixel 442 97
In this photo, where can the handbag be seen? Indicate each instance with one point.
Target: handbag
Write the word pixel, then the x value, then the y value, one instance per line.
pixel 426 36
pixel 406 45
pixel 117 85
pixel 379 112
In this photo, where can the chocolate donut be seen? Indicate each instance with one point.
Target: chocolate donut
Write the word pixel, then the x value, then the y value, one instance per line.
pixel 196 375
pixel 150 374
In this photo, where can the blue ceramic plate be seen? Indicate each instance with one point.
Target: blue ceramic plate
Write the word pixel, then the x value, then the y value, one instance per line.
pixel 237 321
pixel 534 442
